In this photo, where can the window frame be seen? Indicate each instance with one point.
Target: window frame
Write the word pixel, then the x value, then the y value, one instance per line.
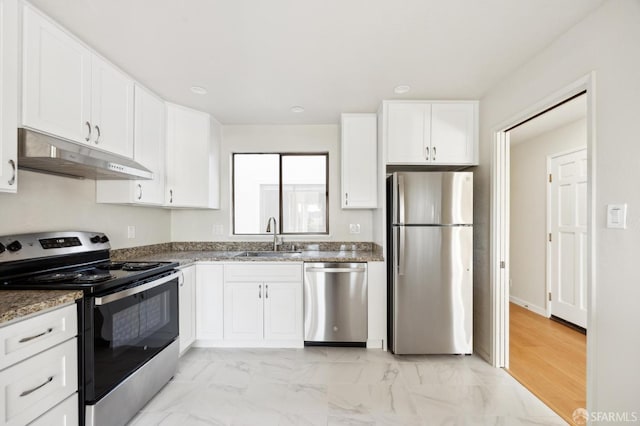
pixel 280 198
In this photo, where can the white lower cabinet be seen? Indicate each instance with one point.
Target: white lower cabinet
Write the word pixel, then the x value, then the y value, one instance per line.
pixel 263 305
pixel 209 303
pixel 187 313
pixel 377 305
pixel 39 384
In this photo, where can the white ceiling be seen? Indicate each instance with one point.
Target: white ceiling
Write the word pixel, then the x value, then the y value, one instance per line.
pixel 257 58
pixel 567 113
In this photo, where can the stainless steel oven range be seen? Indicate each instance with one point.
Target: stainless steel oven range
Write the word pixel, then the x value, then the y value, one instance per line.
pixel 128 316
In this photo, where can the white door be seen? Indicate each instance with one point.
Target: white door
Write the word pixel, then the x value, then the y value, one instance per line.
pixel 282 311
pixel 359 161
pixel 112 108
pixel 209 302
pixel 568 245
pixel 56 80
pixel 149 145
pixel 452 133
pixel 186 298
pixel 408 132
pixel 243 310
pixel 9 95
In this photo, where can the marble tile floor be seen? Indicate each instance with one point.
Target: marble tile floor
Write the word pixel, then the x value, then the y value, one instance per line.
pixel 340 386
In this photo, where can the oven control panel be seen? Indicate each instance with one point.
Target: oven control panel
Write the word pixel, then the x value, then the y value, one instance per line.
pixel 33 246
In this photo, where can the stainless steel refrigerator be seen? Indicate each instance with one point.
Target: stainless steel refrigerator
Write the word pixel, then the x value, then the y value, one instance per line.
pixel 430 269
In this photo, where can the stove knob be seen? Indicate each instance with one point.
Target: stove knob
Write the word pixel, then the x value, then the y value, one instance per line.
pixel 14 246
pixel 1 248
pixel 95 239
pixel 104 239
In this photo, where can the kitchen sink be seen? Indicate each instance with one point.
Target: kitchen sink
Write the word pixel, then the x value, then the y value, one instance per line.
pixel 269 254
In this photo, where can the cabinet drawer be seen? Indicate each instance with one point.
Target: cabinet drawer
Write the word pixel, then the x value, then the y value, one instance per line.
pixel 63 414
pixel 26 338
pixel 30 388
pixel 263 272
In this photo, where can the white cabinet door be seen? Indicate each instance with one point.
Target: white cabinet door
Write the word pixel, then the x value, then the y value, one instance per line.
pixel 186 297
pixel 282 311
pixel 112 108
pixel 377 305
pixel 453 130
pixel 189 153
pixel 359 161
pixel 56 80
pixel 150 145
pixel 408 132
pixel 209 302
pixel 243 311
pixel 8 95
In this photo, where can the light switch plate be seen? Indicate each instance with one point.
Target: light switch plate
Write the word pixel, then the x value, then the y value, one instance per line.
pixel 617 216
pixel 131 231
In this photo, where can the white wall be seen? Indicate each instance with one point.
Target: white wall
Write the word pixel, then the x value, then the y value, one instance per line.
pixel 53 203
pixel 529 209
pixel 197 225
pixel 605 42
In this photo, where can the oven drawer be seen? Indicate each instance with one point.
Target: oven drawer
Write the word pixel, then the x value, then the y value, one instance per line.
pixel 28 337
pixel 30 388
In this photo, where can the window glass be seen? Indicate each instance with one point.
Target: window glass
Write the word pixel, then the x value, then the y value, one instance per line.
pixel 258 191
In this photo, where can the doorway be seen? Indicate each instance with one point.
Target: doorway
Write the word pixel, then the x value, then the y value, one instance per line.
pixel 547 252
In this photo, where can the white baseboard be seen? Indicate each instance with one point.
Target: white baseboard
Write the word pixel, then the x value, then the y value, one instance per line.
pixel 530 306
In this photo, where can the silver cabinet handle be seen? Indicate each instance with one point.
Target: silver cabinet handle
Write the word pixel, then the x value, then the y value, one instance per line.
pixel 346 198
pixel 426 153
pixel 171 195
pixel 28 339
pixel 259 291
pixel 99 134
pixel 13 176
pixel 181 279
pixel 30 391
pixel 140 192
pixel 266 291
pixel 88 137
pixel 434 154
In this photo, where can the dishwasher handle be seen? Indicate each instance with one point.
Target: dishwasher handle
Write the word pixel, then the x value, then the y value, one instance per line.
pixel 335 270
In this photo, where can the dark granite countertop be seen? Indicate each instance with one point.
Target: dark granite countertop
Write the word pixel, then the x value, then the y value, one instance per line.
pixel 16 304
pixel 186 253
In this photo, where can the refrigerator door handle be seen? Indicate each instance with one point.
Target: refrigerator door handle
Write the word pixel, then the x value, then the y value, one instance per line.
pixel 401 199
pixel 401 237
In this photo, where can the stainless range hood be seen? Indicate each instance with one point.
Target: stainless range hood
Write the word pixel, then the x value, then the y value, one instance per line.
pixel 43 153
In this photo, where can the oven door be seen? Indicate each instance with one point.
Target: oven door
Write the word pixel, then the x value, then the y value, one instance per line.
pixel 129 327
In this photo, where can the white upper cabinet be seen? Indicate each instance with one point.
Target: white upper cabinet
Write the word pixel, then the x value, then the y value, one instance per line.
pixel 149 138
pixel 8 95
pixel 193 144
pixel 431 132
pixel 112 108
pixel 70 92
pixel 359 161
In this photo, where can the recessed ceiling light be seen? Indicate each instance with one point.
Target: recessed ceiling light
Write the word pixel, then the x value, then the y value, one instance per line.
pixel 401 89
pixel 297 108
pixel 199 90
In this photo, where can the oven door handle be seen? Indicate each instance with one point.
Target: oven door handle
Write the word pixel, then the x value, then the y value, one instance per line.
pixel 99 301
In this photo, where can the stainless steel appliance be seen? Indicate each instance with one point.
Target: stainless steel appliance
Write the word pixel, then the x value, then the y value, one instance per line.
pixel 430 236
pixel 335 304
pixel 128 316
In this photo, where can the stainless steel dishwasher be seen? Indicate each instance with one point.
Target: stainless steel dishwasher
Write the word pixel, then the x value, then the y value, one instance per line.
pixel 335 304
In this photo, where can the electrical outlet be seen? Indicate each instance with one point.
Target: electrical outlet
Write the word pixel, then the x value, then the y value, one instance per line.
pixel 131 231
pixel 354 228
pixel 218 229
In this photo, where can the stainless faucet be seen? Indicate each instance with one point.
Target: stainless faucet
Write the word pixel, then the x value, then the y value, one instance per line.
pixel 275 232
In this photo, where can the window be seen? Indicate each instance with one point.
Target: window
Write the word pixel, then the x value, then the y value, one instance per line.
pixel 293 188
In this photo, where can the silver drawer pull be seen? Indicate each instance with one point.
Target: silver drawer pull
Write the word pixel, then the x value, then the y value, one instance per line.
pixel 335 270
pixel 266 291
pixel 27 339
pixel 30 391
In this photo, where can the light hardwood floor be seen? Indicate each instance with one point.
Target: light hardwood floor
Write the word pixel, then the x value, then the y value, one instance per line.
pixel 549 359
